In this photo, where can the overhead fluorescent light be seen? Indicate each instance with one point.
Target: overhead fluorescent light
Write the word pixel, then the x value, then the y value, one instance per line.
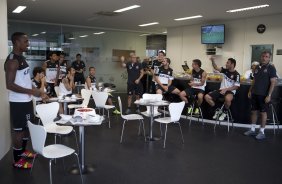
pixel 98 33
pixel 71 38
pixel 164 32
pixel 248 8
pixel 144 34
pixel 191 17
pixel 19 9
pixel 83 36
pixel 127 8
pixel 148 24
pixel 44 32
pixel 35 35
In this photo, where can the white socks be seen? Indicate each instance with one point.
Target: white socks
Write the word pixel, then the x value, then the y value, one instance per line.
pixel 253 127
pixel 261 130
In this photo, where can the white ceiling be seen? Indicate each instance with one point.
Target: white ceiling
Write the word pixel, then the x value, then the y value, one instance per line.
pixel 83 12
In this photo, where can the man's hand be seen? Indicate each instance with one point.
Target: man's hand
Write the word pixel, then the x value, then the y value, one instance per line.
pixel 44 97
pixel 122 59
pixel 267 99
pixel 249 94
pixel 36 92
pixel 137 81
pixel 223 91
pixel 165 88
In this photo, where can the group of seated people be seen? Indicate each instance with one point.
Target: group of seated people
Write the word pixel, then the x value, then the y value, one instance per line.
pixel 163 77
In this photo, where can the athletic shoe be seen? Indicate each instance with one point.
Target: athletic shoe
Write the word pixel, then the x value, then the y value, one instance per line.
pixel 22 164
pixel 128 111
pixel 137 111
pixel 260 136
pixel 189 110
pixel 250 133
pixel 222 116
pixel 116 112
pixel 197 111
pixel 216 114
pixel 28 154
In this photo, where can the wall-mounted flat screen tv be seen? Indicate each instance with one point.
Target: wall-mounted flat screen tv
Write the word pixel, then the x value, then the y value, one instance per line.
pixel 213 34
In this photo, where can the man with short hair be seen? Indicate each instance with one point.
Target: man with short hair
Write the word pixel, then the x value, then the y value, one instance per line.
pixel 51 68
pixel 134 86
pixel 265 79
pixel 79 67
pixel 164 79
pixel 229 84
pixel 196 87
pixel 19 84
pixel 156 64
pixel 39 80
pixel 63 64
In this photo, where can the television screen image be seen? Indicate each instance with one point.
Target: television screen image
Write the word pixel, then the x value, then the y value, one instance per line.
pixel 213 34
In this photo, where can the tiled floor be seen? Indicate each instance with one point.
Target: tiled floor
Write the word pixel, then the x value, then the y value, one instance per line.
pixel 205 158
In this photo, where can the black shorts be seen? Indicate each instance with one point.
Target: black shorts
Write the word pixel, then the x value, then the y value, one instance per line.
pixel 136 89
pixel 258 104
pixel 216 94
pixel 20 113
pixel 193 91
pixel 170 88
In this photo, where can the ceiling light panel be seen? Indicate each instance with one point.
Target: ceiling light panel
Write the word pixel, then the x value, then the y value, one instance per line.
pixel 187 18
pixel 19 9
pixel 83 36
pixel 127 8
pixel 148 24
pixel 248 8
pixel 98 33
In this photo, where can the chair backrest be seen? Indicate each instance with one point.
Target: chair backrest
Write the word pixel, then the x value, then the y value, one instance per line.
pixel 175 110
pixel 47 112
pixel 100 98
pixel 56 88
pixel 34 106
pixel 38 136
pixel 85 94
pixel 147 96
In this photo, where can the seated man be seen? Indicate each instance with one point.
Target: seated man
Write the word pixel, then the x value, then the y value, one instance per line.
pixel 229 84
pixel 164 79
pixel 91 84
pixel 196 85
pixel 39 81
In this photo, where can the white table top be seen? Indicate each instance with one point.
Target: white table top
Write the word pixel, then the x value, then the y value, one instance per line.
pixel 81 123
pixel 151 102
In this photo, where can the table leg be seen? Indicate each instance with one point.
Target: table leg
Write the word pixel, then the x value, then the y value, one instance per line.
pixel 65 108
pixel 84 168
pixel 150 137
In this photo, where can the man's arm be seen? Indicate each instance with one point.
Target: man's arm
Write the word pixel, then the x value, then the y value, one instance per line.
pixel 273 82
pixel 214 65
pixel 11 70
pixel 140 77
pixel 88 82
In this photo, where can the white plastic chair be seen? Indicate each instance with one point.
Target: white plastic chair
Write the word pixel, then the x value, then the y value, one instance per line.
pixel 38 137
pixel 85 94
pixel 56 88
pixel 100 99
pixel 47 113
pixel 175 110
pixel 130 117
pixel 34 102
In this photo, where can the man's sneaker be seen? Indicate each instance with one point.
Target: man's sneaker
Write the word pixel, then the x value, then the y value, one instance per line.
pixel 189 110
pixel 196 111
pixel 250 133
pixel 128 111
pixel 22 164
pixel 137 111
pixel 28 154
pixel 260 136
pixel 116 112
pixel 216 114
pixel 222 116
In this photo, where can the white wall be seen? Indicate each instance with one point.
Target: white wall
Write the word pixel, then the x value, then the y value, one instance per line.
pixel 5 137
pixel 184 43
pixel 105 67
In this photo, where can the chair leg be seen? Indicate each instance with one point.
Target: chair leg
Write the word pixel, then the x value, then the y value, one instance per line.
pixel 76 140
pixel 33 161
pixel 144 130
pixel 181 132
pixel 165 135
pixel 161 130
pixel 80 172
pixel 201 113
pixel 50 171
pixel 122 131
pixel 109 118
